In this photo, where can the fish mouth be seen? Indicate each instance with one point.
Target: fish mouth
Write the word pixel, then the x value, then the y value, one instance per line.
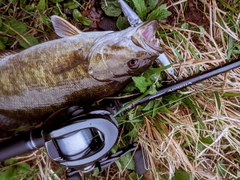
pixel 147 38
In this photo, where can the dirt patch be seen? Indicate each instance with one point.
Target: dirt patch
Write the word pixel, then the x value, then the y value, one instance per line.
pixel 194 14
pixel 100 21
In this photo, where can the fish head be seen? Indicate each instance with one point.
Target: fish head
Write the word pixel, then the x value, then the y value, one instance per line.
pixel 125 53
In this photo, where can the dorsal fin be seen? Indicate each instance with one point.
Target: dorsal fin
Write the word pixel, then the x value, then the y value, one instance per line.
pixel 63 28
pixel 5 53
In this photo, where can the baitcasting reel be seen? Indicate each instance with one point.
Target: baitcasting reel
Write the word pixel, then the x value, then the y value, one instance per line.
pixel 84 139
pixel 77 138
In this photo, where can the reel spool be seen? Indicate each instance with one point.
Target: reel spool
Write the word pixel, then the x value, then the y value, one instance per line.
pixel 85 140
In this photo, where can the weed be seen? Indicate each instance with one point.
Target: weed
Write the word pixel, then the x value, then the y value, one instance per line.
pixel 189 134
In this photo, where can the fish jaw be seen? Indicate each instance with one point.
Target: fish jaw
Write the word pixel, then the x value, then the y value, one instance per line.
pixel 146 37
pixel 124 53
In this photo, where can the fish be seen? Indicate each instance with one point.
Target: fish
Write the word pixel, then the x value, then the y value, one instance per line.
pixel 77 68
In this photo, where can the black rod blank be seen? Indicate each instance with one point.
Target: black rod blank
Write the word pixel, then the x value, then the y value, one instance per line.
pixel 21 144
pixel 186 82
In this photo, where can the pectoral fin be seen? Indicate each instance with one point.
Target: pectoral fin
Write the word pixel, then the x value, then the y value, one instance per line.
pixel 63 28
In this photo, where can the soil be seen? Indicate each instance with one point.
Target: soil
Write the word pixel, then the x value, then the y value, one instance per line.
pixel 193 14
pixel 100 20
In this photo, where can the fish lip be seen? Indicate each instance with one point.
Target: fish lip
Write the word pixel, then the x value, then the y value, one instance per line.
pixel 147 36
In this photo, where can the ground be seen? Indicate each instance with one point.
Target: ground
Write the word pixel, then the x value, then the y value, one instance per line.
pixel 189 134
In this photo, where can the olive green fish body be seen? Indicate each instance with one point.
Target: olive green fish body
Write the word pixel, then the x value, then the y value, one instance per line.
pixel 78 69
pixel 34 84
pixel 32 77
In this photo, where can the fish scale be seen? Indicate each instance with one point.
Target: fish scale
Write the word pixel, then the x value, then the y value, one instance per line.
pixel 80 68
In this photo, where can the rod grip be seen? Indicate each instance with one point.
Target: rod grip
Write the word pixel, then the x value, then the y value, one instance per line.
pixel 23 143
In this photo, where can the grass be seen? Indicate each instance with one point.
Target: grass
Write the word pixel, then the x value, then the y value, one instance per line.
pixel 194 132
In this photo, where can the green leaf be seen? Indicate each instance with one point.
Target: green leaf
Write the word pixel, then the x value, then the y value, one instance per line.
pixel 41 5
pixel 22 128
pixel 23 3
pixel 56 10
pixel 141 83
pixel 147 79
pixel 221 168
pixel 122 22
pixel 85 21
pixel 192 104
pixel 30 7
pixel 153 73
pixel 10 161
pixel 152 89
pixel 119 165
pixel 151 4
pixel 56 1
pixel 71 5
pixel 230 94
pixel 147 83
pixel 156 107
pixel 76 14
pixel 230 7
pixel 181 175
pixel 179 56
pixel 10 11
pixel 10 173
pixel 16 26
pixel 153 106
pixel 2 46
pixel 31 39
pixel 230 47
pixel 141 8
pixel 95 173
pixel 44 20
pixel 132 133
pixel 23 168
pixel 16 172
pixel 185 25
pixel 206 139
pixel 219 104
pixel 133 175
pixel 149 106
pixel 111 8
pixel 159 13
pixel 0 22
pixel 2 173
pixel 129 88
pixel 163 109
pixel 127 161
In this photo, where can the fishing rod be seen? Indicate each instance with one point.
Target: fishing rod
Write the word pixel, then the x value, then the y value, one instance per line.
pixel 184 83
pixel 80 138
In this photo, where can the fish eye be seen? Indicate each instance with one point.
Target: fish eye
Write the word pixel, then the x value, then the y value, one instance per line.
pixel 133 63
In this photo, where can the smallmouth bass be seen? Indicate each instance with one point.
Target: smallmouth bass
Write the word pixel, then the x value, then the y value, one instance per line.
pixel 79 68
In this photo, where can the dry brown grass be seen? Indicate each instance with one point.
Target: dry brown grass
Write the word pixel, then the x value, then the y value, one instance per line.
pixel 205 142
pixel 180 143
